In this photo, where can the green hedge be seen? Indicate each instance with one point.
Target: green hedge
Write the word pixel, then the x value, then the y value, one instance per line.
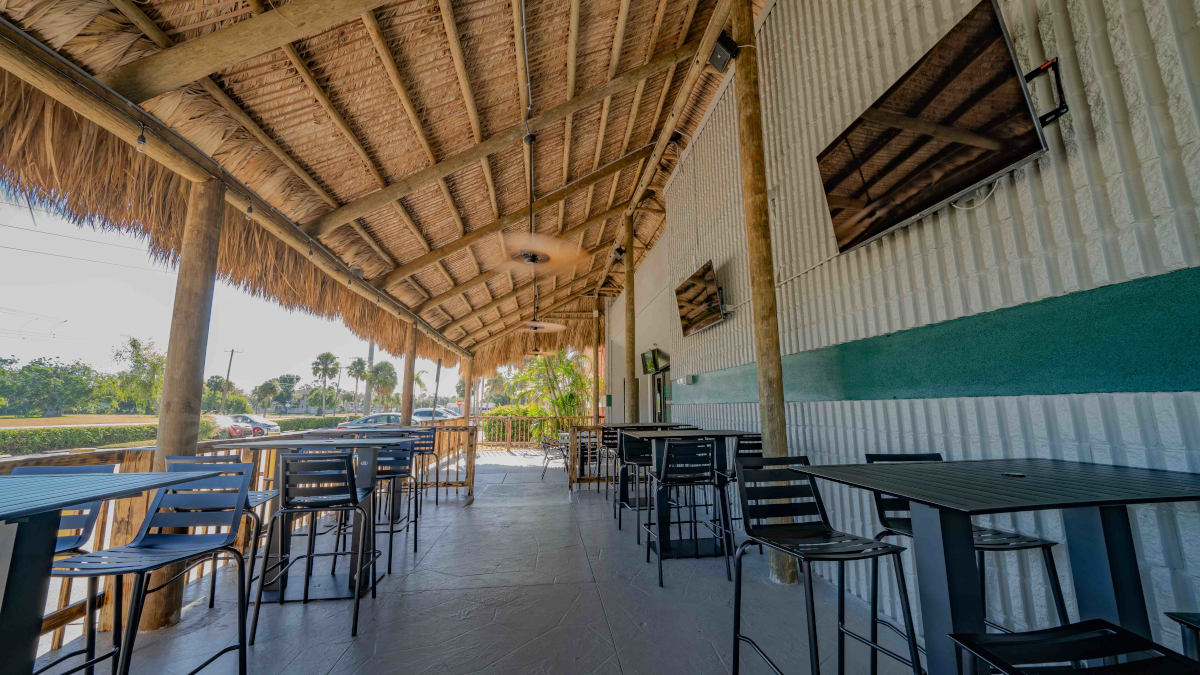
pixel 303 423
pixel 30 441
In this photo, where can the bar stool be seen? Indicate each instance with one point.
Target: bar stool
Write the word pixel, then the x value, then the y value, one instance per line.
pixel 254 499
pixel 772 492
pixel 73 532
pixel 1189 629
pixel 1092 646
pixel 310 484
pixel 893 514
pixel 215 502
pixel 685 466
pixel 610 446
pixel 636 457
pixel 393 468
pixel 426 446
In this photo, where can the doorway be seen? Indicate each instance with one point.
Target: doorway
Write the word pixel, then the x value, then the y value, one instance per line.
pixel 660 386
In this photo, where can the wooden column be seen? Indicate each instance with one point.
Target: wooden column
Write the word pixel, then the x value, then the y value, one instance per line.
pixel 467 375
pixel 406 383
pixel 631 379
pixel 596 317
pixel 183 381
pixel 771 412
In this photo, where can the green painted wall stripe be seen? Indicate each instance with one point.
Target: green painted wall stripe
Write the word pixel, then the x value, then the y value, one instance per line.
pixel 1141 335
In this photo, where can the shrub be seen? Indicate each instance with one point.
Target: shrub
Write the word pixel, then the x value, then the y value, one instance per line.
pixel 30 441
pixel 494 429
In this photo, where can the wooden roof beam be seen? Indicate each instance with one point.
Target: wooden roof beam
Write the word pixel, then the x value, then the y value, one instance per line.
pixel 921 126
pixel 419 179
pixel 569 120
pixel 572 294
pixel 189 61
pixel 411 267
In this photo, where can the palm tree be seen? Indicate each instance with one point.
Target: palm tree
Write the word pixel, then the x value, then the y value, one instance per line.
pixel 266 391
pixel 417 378
pixel 358 370
pixel 382 381
pixel 325 367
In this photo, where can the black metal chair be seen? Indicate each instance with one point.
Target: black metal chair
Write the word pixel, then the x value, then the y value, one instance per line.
pixel 217 503
pixel 746 445
pixel 685 468
pixel 1189 629
pixel 393 469
pixel 426 447
pixel 311 484
pixel 894 515
pixel 609 440
pixel 254 500
pixel 783 511
pixel 74 530
pixel 1096 647
pixel 636 457
pixel 552 451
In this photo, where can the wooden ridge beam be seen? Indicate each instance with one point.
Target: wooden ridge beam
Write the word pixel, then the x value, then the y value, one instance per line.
pixel 211 53
pixel 47 71
pixel 942 131
pixel 419 179
pixel 411 267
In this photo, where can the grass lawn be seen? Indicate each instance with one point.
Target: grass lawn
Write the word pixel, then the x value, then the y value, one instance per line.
pixel 71 420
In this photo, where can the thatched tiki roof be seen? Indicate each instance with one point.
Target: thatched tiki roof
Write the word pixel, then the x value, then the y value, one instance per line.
pixel 352 134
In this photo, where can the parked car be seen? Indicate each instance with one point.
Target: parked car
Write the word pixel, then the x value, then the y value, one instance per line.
pixel 261 425
pixel 373 421
pixel 227 427
pixel 426 414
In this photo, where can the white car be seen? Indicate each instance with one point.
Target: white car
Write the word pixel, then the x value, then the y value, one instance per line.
pixel 262 426
pixel 426 414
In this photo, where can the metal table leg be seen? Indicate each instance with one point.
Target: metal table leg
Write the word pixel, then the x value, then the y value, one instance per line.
pixel 26 552
pixel 1104 567
pixel 948 581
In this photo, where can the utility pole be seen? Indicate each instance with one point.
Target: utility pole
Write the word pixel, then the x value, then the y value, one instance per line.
pixel 225 385
pixel 370 364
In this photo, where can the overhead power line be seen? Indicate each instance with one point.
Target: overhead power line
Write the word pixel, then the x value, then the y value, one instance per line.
pixel 89 260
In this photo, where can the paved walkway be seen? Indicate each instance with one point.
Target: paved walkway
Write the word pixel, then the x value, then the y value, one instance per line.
pixel 527 579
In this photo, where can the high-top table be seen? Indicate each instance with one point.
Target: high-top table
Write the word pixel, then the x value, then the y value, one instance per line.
pixel 622 493
pixel 366 458
pixel 30 508
pixel 722 460
pixel 1093 500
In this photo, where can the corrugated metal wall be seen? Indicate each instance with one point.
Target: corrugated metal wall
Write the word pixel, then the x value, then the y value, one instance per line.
pixel 1113 200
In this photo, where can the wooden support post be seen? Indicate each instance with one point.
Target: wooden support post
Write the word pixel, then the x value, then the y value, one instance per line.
pixel 468 366
pixel 406 384
pixel 771 412
pixel 596 318
pixel 631 379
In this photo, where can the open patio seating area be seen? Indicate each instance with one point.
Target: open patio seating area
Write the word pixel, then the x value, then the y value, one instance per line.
pixel 791 335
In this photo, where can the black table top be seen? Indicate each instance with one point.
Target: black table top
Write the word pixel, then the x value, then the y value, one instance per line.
pixel 652 435
pixel 27 495
pixel 1007 485
pixel 320 442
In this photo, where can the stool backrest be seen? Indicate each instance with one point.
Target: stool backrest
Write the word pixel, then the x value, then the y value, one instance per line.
pixel 326 475
pixel 610 438
pixel 748 445
pixel 687 462
pixel 634 449
pixel 426 438
pixel 394 461
pixel 771 488
pixel 216 502
pixel 75 529
pixel 893 512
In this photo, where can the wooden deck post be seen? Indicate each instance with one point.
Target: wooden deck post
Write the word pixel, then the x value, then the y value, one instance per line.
pixel 406 382
pixel 183 381
pixel 596 317
pixel 631 379
pixel 771 412
pixel 468 366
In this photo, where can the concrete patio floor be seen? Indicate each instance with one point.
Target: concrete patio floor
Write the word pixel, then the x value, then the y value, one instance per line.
pixel 526 579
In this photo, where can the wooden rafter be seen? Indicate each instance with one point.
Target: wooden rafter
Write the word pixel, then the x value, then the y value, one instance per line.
pixel 568 121
pixel 496 143
pixel 571 293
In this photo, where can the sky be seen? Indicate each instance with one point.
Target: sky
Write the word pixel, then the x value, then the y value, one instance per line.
pixel 76 293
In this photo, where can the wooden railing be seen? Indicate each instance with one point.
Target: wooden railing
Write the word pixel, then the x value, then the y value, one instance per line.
pixel 513 432
pixel 453 462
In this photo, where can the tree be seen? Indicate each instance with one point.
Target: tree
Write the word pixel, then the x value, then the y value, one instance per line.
pixel 560 379
pixel 287 386
pixel 264 392
pixel 47 387
pixel 324 367
pixel 141 381
pixel 215 383
pixel 418 380
pixel 496 388
pixel 382 381
pixel 357 370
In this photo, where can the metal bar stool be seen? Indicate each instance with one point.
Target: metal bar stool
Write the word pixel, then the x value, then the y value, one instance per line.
pixel 426 446
pixel 73 532
pixel 1096 647
pixel 783 511
pixel 893 513
pixel 636 457
pixel 312 483
pixel 216 502
pixel 394 467
pixel 685 466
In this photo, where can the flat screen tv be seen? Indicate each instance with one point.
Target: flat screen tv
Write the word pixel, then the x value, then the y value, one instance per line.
pixel 699 300
pixel 654 361
pixel 957 120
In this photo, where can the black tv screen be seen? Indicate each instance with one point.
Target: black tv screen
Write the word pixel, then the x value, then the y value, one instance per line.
pixel 652 362
pixel 958 119
pixel 699 300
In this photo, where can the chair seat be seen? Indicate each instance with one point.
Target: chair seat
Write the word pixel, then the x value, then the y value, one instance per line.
pixel 256 498
pixel 330 501
pixel 817 543
pixel 160 550
pixel 1051 650
pixel 986 538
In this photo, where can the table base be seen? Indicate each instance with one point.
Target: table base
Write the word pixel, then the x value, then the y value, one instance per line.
pixel 705 547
